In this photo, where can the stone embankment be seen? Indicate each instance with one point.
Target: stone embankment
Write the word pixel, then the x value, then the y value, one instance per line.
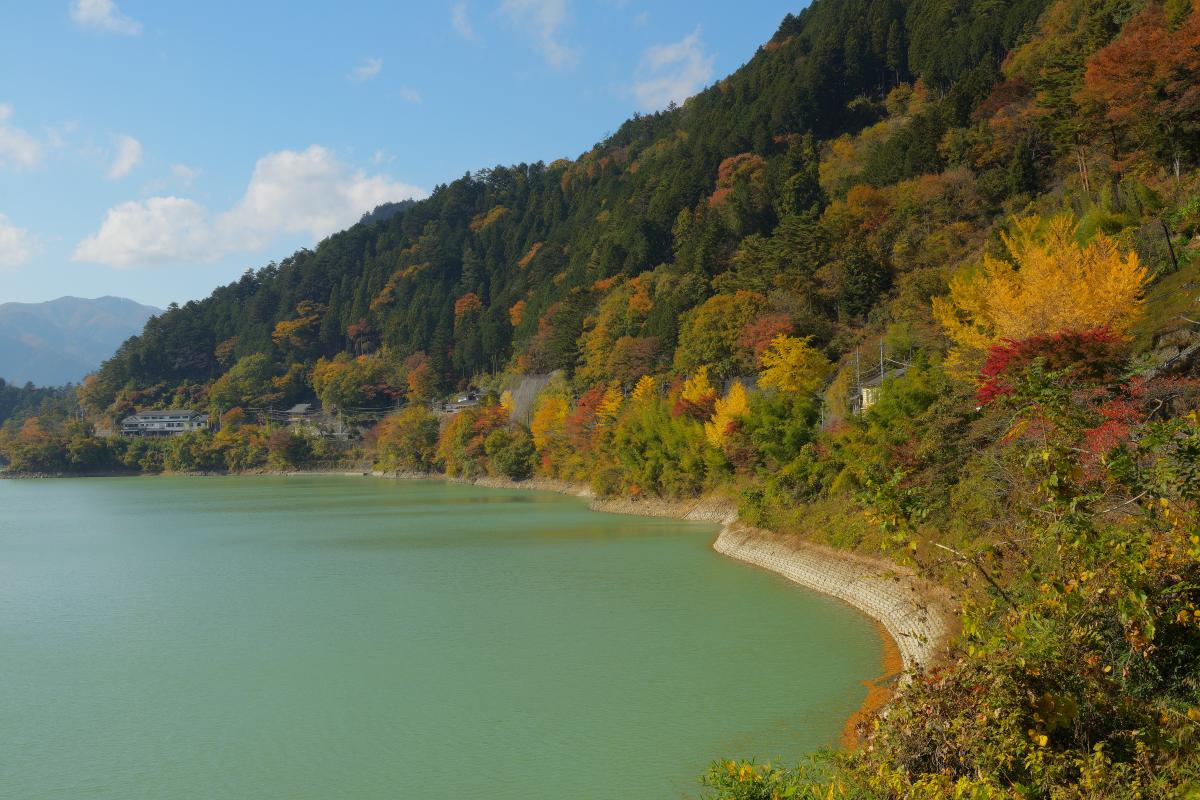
pixel 705 509
pixel 917 615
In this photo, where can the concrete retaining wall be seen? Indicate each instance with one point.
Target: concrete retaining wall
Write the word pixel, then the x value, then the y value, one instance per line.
pixel 920 617
pixel 917 615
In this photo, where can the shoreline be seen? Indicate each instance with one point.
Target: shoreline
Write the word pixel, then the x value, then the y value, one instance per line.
pixel 880 691
pixel 915 614
pixel 916 619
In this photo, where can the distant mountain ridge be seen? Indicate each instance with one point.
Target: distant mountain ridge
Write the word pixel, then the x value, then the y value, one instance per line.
pixel 60 341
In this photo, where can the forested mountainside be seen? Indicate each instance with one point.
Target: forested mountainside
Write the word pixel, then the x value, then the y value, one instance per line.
pixel 921 277
pixel 513 260
pixel 60 341
pixel 19 402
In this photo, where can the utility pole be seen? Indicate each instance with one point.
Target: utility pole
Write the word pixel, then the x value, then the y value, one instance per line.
pixel 856 397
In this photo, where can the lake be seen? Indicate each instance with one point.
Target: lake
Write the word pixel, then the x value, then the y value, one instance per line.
pixel 354 637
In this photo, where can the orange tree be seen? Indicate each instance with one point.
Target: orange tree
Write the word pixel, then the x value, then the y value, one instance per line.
pixel 1146 84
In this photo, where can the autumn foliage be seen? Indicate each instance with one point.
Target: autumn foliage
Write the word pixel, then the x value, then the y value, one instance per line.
pixel 793 366
pixel 469 303
pixel 697 398
pixel 297 333
pixel 1147 83
pixel 1051 283
pixel 728 412
pixel 759 333
pixel 1094 355
pixel 516 313
pixel 742 168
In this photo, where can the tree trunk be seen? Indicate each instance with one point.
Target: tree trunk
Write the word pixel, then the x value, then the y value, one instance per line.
pixel 1081 162
pixel 1170 246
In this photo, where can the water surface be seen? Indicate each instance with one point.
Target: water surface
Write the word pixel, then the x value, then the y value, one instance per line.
pixel 348 637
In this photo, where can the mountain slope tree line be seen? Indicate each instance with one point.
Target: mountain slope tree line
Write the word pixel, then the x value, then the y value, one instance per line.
pixel 986 214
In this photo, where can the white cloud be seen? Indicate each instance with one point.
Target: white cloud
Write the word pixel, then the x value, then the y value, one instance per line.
pixel 461 21
pixel 16 244
pixel 17 148
pixel 129 155
pixel 103 15
pixel 180 176
pixel 409 94
pixel 308 192
pixel 672 72
pixel 542 19
pixel 368 69
pixel 159 230
pixel 57 136
pixel 184 174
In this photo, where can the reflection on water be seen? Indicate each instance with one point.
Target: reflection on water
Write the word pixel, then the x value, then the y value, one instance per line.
pixel 320 637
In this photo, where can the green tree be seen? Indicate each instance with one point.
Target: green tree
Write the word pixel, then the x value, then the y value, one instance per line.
pixel 708 334
pixel 247 384
pixel 407 440
pixel 511 452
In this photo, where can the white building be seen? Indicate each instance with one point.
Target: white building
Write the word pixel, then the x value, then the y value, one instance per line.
pixel 867 393
pixel 164 423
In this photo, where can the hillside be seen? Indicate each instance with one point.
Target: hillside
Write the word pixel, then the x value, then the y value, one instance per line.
pixel 919 278
pixel 540 238
pixel 60 341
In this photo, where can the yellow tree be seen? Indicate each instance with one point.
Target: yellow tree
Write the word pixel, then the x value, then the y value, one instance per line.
pixel 298 333
pixel 1050 283
pixel 790 365
pixel 595 347
pixel 548 418
pixel 610 406
pixel 646 388
pixel 729 409
pixel 696 397
pixel 698 388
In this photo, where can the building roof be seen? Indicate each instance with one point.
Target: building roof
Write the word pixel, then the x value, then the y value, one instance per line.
pixel 878 380
pixel 170 412
pixel 300 408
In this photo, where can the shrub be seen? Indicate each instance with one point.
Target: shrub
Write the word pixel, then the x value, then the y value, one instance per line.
pixel 289 448
pixel 407 440
pixel 1095 354
pixel 511 452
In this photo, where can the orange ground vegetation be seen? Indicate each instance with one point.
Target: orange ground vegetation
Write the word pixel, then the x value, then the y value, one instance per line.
pixel 879 693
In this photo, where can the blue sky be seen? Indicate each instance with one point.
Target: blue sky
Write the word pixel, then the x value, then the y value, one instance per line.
pixel 154 149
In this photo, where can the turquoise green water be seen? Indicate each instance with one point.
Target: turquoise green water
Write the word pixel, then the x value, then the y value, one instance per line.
pixel 348 637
